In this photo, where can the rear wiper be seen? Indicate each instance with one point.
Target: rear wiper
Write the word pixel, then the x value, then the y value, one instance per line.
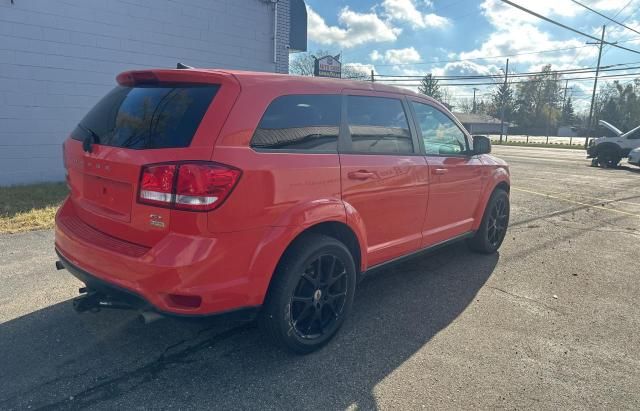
pixel 91 138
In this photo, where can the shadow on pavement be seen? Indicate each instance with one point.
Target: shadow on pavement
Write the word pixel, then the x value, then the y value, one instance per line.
pixel 55 358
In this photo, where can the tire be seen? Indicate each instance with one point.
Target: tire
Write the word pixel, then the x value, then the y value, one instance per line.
pixel 311 294
pixel 494 224
pixel 609 158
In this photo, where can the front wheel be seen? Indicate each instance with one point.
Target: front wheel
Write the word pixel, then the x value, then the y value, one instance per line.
pixel 311 294
pixel 493 227
pixel 609 158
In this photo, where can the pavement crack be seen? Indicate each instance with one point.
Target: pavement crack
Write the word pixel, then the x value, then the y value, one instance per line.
pixel 521 297
pixel 131 380
pixel 631 232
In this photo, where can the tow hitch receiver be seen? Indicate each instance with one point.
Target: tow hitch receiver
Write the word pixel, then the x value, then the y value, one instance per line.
pixel 94 301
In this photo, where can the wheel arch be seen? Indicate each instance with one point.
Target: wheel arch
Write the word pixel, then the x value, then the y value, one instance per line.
pixel 499 181
pixel 336 229
pixel 608 146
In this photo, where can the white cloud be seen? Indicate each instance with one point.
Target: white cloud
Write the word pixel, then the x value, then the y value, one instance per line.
pixel 375 55
pixel 354 29
pixel 397 56
pixel 518 35
pixel 527 38
pixel 502 14
pixel 364 69
pixel 618 33
pixel 407 11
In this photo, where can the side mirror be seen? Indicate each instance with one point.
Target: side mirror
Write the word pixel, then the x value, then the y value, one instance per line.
pixel 481 145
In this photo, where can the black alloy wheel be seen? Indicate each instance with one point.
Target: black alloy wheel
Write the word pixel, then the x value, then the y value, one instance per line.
pixel 494 224
pixel 319 299
pixel 310 295
pixel 497 222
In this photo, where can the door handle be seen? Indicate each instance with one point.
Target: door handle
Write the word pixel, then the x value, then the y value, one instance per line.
pixel 361 175
pixel 440 171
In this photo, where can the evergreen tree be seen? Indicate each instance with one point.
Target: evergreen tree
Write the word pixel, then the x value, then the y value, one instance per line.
pixel 568 115
pixel 429 86
pixel 503 95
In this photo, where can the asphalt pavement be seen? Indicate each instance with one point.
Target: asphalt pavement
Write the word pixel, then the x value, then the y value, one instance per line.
pixel 550 322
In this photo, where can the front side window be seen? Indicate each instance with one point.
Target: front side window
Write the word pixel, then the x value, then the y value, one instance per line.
pixel 300 122
pixel 440 134
pixel 378 125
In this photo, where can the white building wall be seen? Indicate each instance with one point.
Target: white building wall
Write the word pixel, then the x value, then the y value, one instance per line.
pixel 57 58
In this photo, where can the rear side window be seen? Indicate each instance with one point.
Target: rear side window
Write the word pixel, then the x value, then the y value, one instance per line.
pixel 378 125
pixel 300 122
pixel 147 117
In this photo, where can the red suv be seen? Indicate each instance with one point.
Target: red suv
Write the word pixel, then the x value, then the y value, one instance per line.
pixel 207 192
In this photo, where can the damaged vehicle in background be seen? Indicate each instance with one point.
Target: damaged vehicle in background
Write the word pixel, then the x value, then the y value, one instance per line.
pixel 608 151
pixel 634 157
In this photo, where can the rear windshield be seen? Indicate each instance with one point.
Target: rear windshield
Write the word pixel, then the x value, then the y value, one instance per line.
pixel 147 117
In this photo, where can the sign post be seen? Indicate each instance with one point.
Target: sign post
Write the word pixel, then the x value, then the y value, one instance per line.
pixel 328 66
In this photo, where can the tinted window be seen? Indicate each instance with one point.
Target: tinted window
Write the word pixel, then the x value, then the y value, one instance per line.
pixel 440 134
pixel 147 117
pixel 300 122
pixel 378 125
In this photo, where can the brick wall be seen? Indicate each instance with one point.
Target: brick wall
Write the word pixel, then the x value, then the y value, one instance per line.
pixel 57 58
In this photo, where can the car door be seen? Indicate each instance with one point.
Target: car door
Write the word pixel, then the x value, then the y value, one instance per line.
pixel 455 174
pixel 384 176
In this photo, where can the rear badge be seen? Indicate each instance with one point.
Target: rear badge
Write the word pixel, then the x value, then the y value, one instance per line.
pixel 155 220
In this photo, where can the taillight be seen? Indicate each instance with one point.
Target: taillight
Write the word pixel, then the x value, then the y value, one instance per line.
pixel 156 184
pixel 195 186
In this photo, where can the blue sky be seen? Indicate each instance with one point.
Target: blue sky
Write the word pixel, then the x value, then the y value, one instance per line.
pixel 415 37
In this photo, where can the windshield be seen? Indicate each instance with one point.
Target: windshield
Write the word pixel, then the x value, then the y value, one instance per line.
pixel 147 117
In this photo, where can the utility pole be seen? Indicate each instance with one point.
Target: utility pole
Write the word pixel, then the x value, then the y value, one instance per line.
pixel 549 105
pixel 372 77
pixel 506 77
pixel 473 109
pixel 595 85
pixel 564 96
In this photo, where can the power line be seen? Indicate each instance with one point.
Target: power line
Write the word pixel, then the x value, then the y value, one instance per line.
pixel 624 20
pixel 564 26
pixel 622 75
pixel 585 70
pixel 497 57
pixel 606 17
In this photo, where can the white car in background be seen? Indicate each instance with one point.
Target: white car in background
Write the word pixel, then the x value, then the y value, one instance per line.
pixel 634 157
pixel 608 151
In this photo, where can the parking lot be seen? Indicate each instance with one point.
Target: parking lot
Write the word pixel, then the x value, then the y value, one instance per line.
pixel 550 322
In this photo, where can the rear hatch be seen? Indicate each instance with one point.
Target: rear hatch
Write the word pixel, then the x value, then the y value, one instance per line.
pixel 150 117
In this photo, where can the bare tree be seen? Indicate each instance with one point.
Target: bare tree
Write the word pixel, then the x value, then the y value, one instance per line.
pixel 464 105
pixel 303 64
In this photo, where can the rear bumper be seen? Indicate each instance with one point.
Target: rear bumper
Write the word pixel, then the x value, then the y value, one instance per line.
pixel 135 301
pixel 217 269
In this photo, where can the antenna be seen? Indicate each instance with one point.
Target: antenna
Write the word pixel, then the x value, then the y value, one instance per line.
pixel 181 66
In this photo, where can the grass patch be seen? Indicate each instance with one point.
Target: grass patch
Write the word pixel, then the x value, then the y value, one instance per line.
pixel 543 145
pixel 30 207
